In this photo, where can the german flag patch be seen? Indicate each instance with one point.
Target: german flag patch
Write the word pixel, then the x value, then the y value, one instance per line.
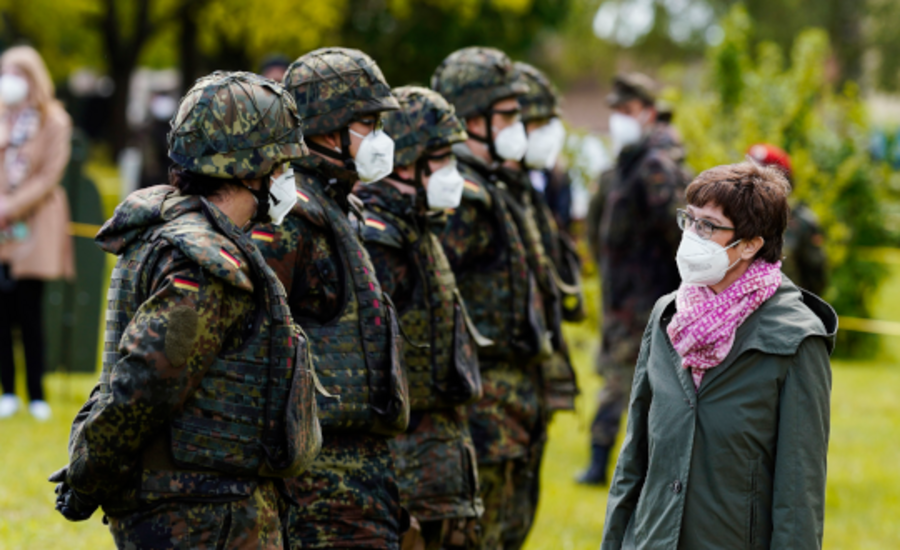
pixel 183 283
pixel 371 222
pixel 472 186
pixel 301 196
pixel 229 258
pixel 264 236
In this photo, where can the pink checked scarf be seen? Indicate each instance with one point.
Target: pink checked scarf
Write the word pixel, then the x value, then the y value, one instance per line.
pixel 703 329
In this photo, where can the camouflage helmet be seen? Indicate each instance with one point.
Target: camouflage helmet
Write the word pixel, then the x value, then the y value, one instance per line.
pixel 424 122
pixel 333 86
pixel 235 125
pixel 541 100
pixel 474 78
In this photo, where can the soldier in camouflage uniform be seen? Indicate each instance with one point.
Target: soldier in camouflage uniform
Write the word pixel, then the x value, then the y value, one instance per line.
pixel 497 254
pixel 206 398
pixel 435 458
pixel 349 497
pixel 635 235
pixel 804 260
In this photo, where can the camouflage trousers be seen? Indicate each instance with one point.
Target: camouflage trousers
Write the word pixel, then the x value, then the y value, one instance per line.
pixel 349 498
pixel 447 534
pixel 612 401
pixel 509 492
pixel 252 523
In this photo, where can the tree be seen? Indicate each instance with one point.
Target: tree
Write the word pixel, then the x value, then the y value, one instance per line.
pixel 745 99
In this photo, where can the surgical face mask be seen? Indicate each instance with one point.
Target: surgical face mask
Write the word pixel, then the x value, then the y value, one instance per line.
pixel 511 142
pixel 445 187
pixel 702 262
pixel 625 130
pixel 282 196
pixel 375 157
pixel 13 89
pixel 545 144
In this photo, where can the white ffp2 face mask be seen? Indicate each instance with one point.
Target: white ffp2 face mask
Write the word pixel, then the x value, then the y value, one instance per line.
pixel 702 262
pixel 282 196
pixel 545 144
pixel 375 157
pixel 625 130
pixel 445 187
pixel 511 142
pixel 13 89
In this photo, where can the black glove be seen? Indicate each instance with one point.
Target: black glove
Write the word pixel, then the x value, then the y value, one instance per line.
pixel 69 503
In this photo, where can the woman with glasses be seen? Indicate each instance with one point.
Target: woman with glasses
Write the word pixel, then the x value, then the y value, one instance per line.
pixel 729 416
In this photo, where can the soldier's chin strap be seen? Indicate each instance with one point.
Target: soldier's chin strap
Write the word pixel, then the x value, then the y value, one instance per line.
pixel 344 156
pixel 262 200
pixel 489 139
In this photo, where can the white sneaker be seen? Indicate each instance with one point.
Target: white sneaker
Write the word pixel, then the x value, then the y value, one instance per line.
pixel 9 405
pixel 40 410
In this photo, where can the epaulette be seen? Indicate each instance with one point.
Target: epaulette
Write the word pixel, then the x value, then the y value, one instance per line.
pixel 307 205
pixel 377 229
pixel 475 191
pixel 196 238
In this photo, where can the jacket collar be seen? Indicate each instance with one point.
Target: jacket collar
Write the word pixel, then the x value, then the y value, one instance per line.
pixel 778 327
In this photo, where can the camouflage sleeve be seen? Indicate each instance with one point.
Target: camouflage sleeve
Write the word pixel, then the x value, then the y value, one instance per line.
pixel 165 351
pixel 663 184
pixel 468 236
pixel 595 213
pixel 394 272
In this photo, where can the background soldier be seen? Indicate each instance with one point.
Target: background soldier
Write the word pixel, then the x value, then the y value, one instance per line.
pixel 498 272
pixel 804 254
pixel 348 498
pixel 635 236
pixel 435 458
pixel 180 438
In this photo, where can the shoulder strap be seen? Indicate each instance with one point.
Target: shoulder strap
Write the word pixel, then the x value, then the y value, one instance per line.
pixel 195 237
pixel 378 228
pixel 307 205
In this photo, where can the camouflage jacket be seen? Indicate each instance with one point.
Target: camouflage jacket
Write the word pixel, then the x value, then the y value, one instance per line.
pixel 435 458
pixel 506 420
pixel 157 371
pixel 804 252
pixel 636 237
pixel 318 254
pixel 349 497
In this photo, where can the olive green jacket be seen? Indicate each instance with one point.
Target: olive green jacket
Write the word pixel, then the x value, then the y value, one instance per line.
pixel 739 463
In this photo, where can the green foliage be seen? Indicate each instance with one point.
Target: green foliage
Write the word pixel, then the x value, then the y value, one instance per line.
pixel 746 99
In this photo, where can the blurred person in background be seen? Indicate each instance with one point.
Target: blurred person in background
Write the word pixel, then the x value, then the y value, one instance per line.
pixel 729 420
pixel 634 237
pixel 804 259
pixel 35 245
pixel 546 138
pixel 274 66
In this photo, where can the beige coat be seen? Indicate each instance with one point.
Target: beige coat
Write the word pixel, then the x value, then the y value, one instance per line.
pixel 41 203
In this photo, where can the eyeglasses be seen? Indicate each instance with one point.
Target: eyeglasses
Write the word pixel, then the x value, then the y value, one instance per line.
pixel 703 228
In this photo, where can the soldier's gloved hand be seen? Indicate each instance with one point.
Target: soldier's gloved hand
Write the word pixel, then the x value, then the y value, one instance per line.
pixel 69 503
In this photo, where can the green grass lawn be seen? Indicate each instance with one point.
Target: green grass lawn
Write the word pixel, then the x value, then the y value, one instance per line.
pixel 863 496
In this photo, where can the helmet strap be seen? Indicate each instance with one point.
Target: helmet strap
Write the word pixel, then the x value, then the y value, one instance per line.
pixel 344 156
pixel 262 201
pixel 489 139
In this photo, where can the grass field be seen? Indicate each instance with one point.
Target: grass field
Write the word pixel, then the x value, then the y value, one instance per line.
pixel 863 496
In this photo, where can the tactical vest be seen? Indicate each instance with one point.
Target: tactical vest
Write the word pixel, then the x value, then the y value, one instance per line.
pixel 502 296
pixel 254 412
pixel 440 355
pixel 357 353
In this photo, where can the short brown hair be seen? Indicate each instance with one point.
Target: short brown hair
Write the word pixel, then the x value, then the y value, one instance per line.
pixel 753 197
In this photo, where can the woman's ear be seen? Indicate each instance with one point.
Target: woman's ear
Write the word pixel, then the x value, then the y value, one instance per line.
pixel 751 247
